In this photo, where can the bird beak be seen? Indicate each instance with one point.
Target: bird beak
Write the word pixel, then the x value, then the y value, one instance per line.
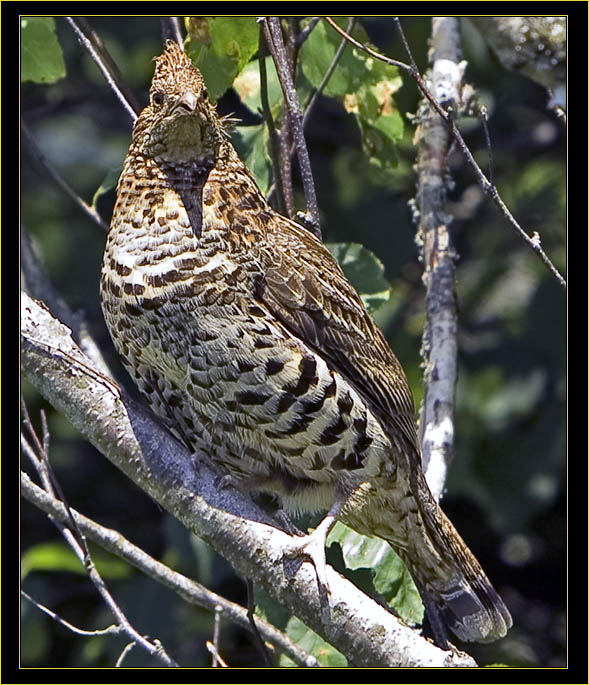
pixel 187 101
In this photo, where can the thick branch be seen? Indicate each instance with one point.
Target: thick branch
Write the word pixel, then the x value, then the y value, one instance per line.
pixel 228 520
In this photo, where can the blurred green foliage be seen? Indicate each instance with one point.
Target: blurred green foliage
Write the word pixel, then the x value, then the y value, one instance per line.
pixel 40 54
pixel 506 489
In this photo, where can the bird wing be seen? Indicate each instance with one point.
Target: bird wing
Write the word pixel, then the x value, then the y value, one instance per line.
pixel 304 287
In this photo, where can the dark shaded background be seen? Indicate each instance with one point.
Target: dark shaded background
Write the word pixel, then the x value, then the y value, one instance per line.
pixel 506 492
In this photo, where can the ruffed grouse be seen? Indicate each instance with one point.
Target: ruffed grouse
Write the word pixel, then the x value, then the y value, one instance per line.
pixel 244 335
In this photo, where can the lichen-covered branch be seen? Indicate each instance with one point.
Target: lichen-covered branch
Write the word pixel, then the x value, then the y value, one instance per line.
pixel 439 349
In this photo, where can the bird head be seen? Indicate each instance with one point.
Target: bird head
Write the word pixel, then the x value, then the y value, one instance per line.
pixel 180 125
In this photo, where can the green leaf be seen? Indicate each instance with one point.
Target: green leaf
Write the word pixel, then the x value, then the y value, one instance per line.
pixel 251 143
pixel 364 270
pixel 363 84
pixel 220 47
pixel 58 556
pixel 391 579
pixel 109 182
pixel 308 640
pixel 394 582
pixel 41 58
pixel 327 655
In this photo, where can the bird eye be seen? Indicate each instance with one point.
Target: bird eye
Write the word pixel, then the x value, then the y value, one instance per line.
pixel 158 98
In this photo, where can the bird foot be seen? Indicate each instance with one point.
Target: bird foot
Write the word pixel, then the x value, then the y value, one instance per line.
pixel 312 547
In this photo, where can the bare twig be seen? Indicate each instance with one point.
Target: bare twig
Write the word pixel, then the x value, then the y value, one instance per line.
pixel 124 653
pixel 277 48
pixel 328 73
pixel 484 118
pixel 216 636
pixel 532 241
pixel 40 159
pixel 171 29
pixel 213 646
pixel 110 630
pixel 105 63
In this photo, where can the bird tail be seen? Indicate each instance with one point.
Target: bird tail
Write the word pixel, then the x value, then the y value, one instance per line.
pixel 468 602
pixel 455 581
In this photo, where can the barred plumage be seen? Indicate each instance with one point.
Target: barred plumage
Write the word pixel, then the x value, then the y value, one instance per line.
pixel 243 334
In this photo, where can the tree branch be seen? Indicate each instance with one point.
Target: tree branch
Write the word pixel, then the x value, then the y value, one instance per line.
pixel 229 521
pixel 439 347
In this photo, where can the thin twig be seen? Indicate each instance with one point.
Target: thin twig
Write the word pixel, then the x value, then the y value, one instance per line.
pixel 483 116
pixel 413 63
pixel 370 51
pixel 216 636
pixel 109 630
pixel 105 63
pixel 40 159
pixel 532 241
pixel 124 653
pixel 275 41
pixel 328 73
pixel 171 29
pixel 217 658
pixel 50 481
